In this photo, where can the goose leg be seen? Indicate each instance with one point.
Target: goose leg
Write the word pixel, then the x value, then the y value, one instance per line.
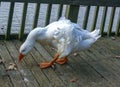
pixel 49 64
pixel 62 60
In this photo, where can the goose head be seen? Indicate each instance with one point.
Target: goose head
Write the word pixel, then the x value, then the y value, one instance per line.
pixel 25 48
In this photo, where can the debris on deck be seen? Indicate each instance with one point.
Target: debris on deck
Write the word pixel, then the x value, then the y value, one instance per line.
pixel 118 57
pixel 2 61
pixel 12 66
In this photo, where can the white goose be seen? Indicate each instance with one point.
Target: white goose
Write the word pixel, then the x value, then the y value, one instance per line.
pixel 65 36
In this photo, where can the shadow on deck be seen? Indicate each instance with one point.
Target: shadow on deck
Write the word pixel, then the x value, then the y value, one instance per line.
pixel 98 66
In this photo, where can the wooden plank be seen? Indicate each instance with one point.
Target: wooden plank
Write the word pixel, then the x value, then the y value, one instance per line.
pixel 5 80
pixel 118 25
pixel 97 65
pixel 92 68
pixel 50 73
pixel 70 14
pixel 49 8
pixel 86 17
pixel 112 15
pixel 95 18
pixel 24 70
pixel 78 68
pixel 101 61
pixel 37 73
pixel 81 70
pixel 42 76
pixel 54 79
pixel 64 71
pixel 37 10
pixel 21 33
pixel 91 74
pixel 9 23
pixel 113 63
pixel 74 2
pixel 15 76
pixel 103 20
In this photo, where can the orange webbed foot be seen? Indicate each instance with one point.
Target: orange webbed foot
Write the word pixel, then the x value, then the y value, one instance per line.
pixel 45 65
pixel 62 60
pixel 49 64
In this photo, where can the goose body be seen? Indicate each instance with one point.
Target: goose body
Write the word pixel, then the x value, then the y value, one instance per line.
pixel 67 37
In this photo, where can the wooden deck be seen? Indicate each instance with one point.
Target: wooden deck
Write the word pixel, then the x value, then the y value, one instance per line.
pixel 95 67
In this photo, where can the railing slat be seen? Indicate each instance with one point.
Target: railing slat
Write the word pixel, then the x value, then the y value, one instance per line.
pixel 86 17
pixel 111 20
pixel 49 8
pixel 60 9
pixel 118 25
pixel 103 20
pixel 9 23
pixel 70 14
pixel 23 21
pixel 72 5
pixel 95 18
pixel 37 10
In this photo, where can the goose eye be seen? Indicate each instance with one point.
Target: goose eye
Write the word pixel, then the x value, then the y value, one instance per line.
pixel 23 50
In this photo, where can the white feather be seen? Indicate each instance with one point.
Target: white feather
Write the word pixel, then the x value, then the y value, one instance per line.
pixel 65 36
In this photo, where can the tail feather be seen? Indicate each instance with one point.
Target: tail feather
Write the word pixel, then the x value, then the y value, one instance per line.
pixel 88 42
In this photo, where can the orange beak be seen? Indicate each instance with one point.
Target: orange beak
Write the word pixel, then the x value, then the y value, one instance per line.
pixel 20 57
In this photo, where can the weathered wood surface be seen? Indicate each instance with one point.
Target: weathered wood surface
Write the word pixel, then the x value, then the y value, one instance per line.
pixel 95 67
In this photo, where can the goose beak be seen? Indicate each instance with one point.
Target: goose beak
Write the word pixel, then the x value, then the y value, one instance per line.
pixel 21 56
